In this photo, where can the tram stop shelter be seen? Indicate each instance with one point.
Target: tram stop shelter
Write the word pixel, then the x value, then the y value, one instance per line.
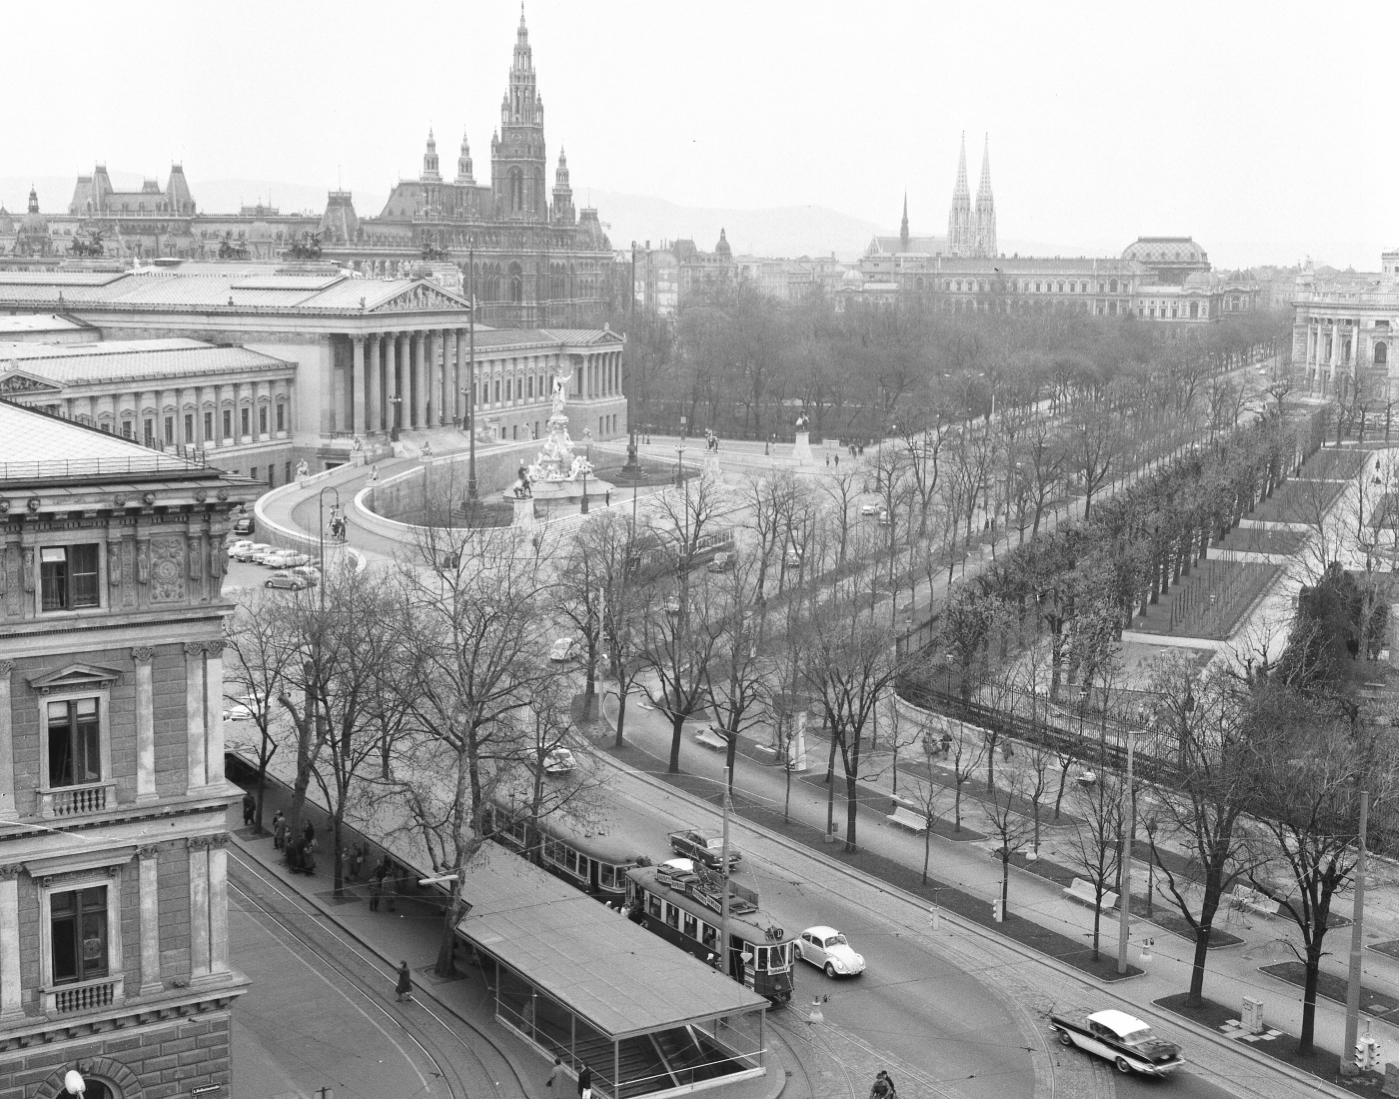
pixel 579 981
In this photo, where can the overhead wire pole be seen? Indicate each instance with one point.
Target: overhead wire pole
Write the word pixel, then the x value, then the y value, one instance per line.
pixel 1357 943
pixel 1124 889
pixel 471 370
pixel 724 900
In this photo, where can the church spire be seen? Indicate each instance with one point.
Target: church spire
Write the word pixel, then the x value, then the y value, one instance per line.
pixel 430 172
pixel 986 207
pixel 464 162
pixel 903 227
pixel 961 233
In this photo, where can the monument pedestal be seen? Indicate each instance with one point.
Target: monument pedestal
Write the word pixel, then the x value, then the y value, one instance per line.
pixel 802 451
pixel 524 511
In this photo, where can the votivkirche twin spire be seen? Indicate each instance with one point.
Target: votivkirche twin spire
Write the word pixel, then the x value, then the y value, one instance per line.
pixel 971 232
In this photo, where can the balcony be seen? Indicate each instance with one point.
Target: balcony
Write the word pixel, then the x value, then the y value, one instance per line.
pixel 84 996
pixel 77 801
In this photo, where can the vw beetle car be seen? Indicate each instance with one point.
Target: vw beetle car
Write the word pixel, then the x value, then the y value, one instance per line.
pixel 826 948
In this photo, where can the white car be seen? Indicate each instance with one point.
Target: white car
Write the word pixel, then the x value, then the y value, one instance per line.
pixel 237 711
pixel 309 573
pixel 1123 1039
pixel 559 761
pixel 826 948
pixel 870 509
pixel 296 560
pixel 239 547
pixel 564 648
pixel 251 550
pixel 277 559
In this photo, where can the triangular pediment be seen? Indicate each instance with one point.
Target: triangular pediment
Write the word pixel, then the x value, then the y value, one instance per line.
pixel 421 296
pixel 14 380
pixel 75 677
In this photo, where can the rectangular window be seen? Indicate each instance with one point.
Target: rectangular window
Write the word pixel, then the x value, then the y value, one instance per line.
pixel 169 429
pixel 672 915
pixel 531 385
pixel 253 473
pixel 208 426
pixel 653 905
pixel 228 423
pixel 262 419
pixel 68 577
pixel 243 421
pixel 78 939
pixel 689 927
pixel 286 473
pixel 126 429
pixel 75 743
pixel 281 417
pixel 148 431
pixel 189 427
pixel 497 391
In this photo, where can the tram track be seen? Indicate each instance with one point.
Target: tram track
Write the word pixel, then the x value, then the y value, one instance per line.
pixel 458 1060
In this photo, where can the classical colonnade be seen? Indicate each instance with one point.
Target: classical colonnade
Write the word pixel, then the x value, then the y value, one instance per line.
pixel 422 379
pixel 202 415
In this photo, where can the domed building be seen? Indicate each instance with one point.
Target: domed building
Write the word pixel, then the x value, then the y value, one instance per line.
pixel 33 238
pixel 1171 260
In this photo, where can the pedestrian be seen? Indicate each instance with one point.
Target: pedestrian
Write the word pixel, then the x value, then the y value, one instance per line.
pixel 249 808
pixel 404 989
pixel 374 474
pixel 828 461
pixel 356 860
pixel 883 1086
pixel 585 1083
pixel 308 831
pixel 376 891
pixel 837 461
pixel 279 831
pixel 555 1074
pixel 607 497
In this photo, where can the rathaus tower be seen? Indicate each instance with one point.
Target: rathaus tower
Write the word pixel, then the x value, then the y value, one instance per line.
pixel 517 153
pixel 972 233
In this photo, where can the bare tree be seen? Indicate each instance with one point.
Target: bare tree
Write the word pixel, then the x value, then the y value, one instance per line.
pixel 1012 831
pixel 262 646
pixel 1095 844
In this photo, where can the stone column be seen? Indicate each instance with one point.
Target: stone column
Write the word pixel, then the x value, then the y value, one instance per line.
pixel 199 957
pixel 7 742
pixel 150 919
pixel 405 380
pixel 376 386
pixel 443 414
pixel 10 1005
pixel 218 903
pixel 213 697
pixel 463 380
pixel 419 380
pixel 432 399
pixel 357 416
pixel 195 713
pixel 145 721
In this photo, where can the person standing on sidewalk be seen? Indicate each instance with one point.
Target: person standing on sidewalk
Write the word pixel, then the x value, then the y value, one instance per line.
pixel 555 1075
pixel 249 809
pixel 279 831
pixel 404 989
pixel 585 1083
pixel 376 891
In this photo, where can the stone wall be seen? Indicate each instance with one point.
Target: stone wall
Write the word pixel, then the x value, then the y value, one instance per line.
pixel 149 1062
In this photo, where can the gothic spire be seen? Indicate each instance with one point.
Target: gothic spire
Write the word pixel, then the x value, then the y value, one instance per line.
pixel 903 227
pixel 986 207
pixel 961 233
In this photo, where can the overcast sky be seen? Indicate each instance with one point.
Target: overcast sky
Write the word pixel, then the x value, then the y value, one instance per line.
pixel 1260 129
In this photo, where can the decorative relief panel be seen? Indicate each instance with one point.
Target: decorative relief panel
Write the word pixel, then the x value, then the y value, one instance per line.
pixel 167 570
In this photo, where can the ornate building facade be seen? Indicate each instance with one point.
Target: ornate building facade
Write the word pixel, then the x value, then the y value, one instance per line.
pixel 113 886
pixel 540 261
pixel 1345 324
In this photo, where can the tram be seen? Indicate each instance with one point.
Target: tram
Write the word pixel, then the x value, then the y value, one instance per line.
pixel 684 908
pixel 591 860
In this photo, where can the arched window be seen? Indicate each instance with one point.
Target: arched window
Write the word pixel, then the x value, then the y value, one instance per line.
pixel 517 284
pixel 1381 355
pixel 517 190
pixel 1194 310
pixel 1112 286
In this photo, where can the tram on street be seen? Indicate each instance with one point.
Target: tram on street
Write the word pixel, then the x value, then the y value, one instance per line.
pixel 590 859
pixel 684 907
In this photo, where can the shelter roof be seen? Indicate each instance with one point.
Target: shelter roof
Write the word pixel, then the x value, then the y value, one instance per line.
pixel 627 981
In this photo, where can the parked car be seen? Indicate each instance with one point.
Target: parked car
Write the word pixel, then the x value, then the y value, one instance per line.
pixel 296 560
pixel 286 580
pixel 235 548
pixel 237 710
pixel 1123 1039
pixel 274 559
pixel 251 550
pixel 870 509
pixel 563 648
pixel 309 573
pixel 559 761
pixel 244 524
pixel 826 948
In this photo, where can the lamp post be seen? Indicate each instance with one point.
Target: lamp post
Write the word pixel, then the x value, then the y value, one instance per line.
pixel 1124 890
pixel 471 370
pixel 320 507
pixel 584 508
pixel 395 401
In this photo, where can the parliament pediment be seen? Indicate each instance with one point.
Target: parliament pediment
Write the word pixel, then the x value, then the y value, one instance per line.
pixel 419 298
pixel 15 380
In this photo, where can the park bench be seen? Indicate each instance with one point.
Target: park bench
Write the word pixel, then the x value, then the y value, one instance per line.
pixel 1082 890
pixel 1260 904
pixel 710 739
pixel 907 818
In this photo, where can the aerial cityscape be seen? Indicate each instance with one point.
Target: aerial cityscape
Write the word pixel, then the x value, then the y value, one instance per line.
pixel 857 558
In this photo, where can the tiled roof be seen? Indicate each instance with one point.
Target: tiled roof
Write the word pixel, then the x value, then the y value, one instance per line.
pixel 95 363
pixel 579 335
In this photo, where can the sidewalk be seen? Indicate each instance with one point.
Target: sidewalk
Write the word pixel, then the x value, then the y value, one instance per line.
pixel 1231 973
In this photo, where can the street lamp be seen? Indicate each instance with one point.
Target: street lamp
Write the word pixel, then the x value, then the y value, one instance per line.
pixel 395 401
pixel 584 508
pixel 471 369
pixel 320 507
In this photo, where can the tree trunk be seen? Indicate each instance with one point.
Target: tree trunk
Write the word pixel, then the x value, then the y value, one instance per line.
pixel 1195 997
pixel 677 730
pixel 338 874
pixel 447 942
pixel 621 711
pixel 1313 970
